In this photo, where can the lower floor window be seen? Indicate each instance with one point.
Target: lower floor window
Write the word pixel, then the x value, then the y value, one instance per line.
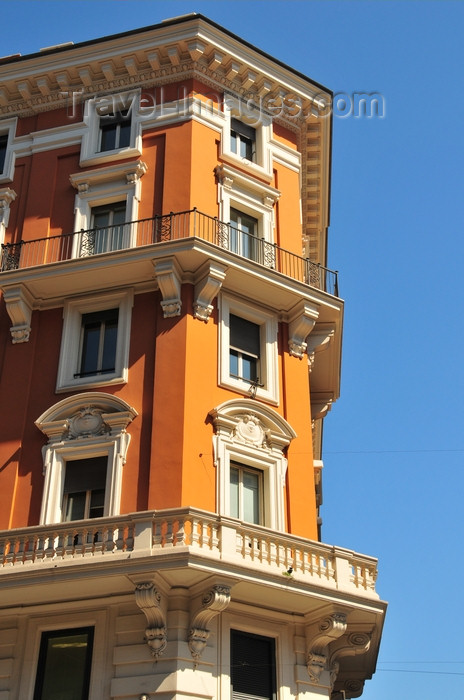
pixel 252 666
pixel 99 335
pixel 64 665
pixel 246 493
pixel 84 488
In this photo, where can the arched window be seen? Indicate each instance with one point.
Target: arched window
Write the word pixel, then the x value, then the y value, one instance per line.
pixel 84 456
pixel 251 466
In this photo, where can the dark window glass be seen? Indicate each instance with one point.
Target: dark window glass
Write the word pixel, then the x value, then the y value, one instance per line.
pixel 64 665
pixel 84 488
pixel 115 130
pixel 3 147
pixel 242 139
pixel 252 666
pixel 244 348
pixel 98 342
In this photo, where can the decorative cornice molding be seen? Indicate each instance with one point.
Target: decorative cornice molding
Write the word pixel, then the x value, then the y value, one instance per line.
pixel 213 602
pixel 149 600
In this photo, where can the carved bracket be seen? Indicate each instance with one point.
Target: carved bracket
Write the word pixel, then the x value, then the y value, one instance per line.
pixel 213 602
pixel 300 326
pixel 148 600
pixel 19 306
pixel 207 288
pixel 349 645
pixel 168 276
pixel 319 636
pixel 319 340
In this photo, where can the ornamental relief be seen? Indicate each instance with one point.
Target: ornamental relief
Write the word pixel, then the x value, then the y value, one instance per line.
pixel 87 422
pixel 250 431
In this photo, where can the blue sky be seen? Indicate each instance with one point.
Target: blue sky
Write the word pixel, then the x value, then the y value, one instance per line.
pixel 393 446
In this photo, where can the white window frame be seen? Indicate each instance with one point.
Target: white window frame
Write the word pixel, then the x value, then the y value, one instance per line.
pixel 240 109
pixel 8 127
pixel 73 311
pixel 117 183
pixel 72 619
pixel 71 437
pixel 90 153
pixel 268 359
pixel 255 436
pixel 282 634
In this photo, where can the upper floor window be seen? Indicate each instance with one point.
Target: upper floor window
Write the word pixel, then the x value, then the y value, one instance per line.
pixel 64 664
pixel 95 340
pixel 107 231
pixel 115 130
pixel 246 493
pixel 243 234
pixel 84 488
pixel 245 349
pixel 252 666
pixel 3 147
pixel 242 139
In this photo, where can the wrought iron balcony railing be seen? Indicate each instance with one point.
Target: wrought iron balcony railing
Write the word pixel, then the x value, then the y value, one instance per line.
pixel 159 229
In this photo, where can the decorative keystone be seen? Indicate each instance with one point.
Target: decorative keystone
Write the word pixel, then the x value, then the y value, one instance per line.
pixel 148 600
pixel 213 602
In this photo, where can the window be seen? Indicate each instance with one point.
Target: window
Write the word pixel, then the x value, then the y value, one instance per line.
pixel 248 349
pixel 243 234
pixel 115 130
pixel 84 488
pixel 95 340
pixel 84 456
pixel 245 344
pixel 252 666
pixel 3 147
pixel 249 449
pixel 246 491
pixel 108 230
pixel 64 664
pixel 242 139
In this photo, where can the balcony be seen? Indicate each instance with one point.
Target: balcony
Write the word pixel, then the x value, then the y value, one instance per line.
pixel 165 229
pixel 176 540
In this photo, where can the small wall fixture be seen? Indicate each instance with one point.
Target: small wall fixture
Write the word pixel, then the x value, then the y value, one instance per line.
pixel 144 696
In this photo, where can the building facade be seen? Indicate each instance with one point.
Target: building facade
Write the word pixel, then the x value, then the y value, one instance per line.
pixel 170 342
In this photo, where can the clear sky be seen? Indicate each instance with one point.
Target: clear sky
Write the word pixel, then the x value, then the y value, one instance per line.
pixel 393 443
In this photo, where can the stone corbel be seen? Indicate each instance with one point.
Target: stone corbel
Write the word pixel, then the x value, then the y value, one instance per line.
pixel 148 599
pixel 209 283
pixel 301 323
pixel 19 306
pixel 349 645
pixel 320 406
pixel 319 635
pixel 213 602
pixel 319 340
pixel 168 276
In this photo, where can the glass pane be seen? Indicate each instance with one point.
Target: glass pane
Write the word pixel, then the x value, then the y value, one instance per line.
pixel 251 497
pixel 124 133
pixel 90 348
pixel 64 665
pixel 233 142
pixel 109 346
pixel 97 503
pixel 108 137
pixel 249 365
pixel 233 369
pixel 75 507
pixel 234 511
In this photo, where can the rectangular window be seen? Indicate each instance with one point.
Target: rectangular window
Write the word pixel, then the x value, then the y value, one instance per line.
pixel 115 130
pixel 64 664
pixel 99 334
pixel 242 139
pixel 246 493
pixel 245 344
pixel 252 666
pixel 3 147
pixel 243 234
pixel 108 230
pixel 84 488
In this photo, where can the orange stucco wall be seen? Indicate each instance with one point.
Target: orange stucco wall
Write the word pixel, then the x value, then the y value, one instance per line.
pixel 173 376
